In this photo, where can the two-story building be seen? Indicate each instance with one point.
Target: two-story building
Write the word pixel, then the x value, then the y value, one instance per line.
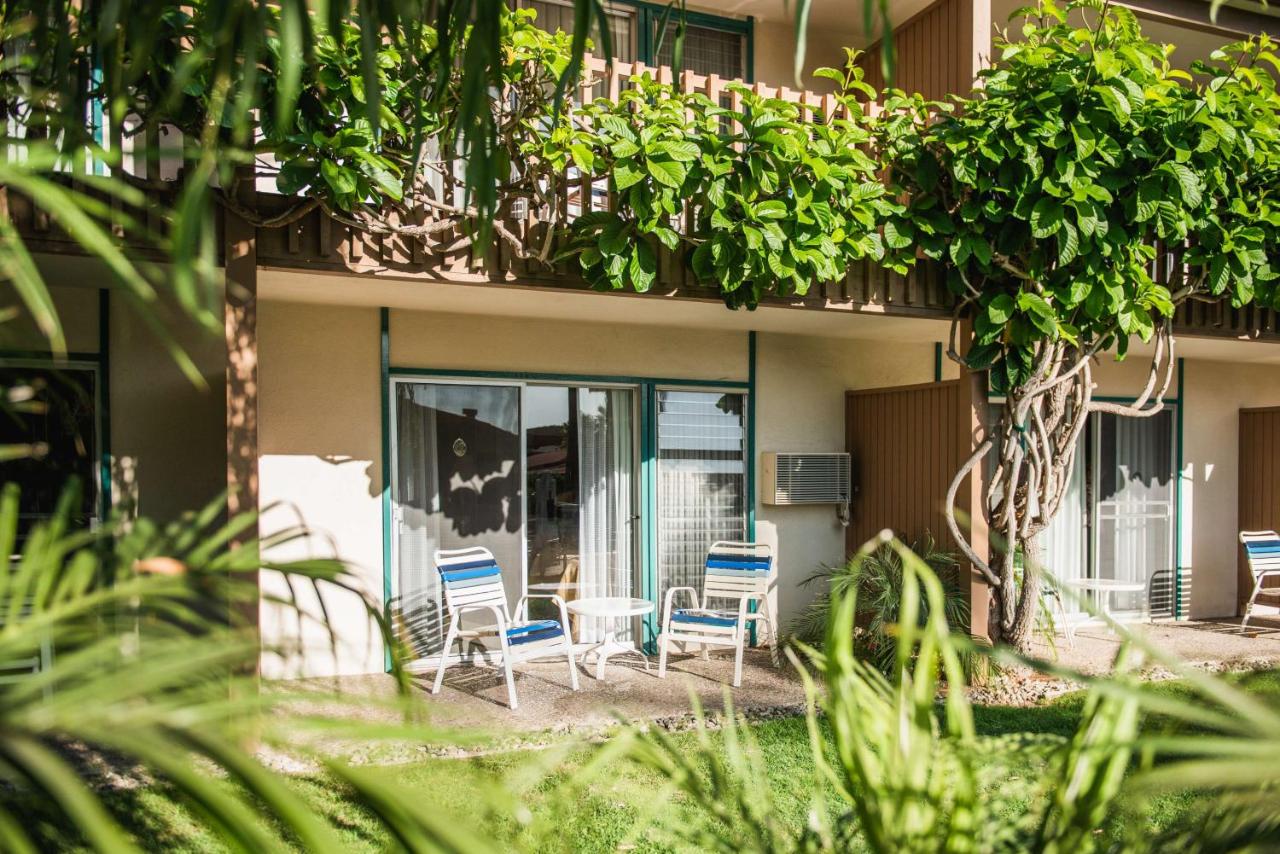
pixel 398 396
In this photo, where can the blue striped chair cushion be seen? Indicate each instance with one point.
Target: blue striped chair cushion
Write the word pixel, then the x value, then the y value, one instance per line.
pixel 481 569
pixel 535 631
pixel 1262 547
pixel 686 615
pixel 738 565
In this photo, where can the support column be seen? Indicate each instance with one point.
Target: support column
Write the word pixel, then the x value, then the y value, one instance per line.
pixel 241 325
pixel 971 402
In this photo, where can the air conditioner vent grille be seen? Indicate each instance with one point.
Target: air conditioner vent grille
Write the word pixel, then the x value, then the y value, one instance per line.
pixel 806 478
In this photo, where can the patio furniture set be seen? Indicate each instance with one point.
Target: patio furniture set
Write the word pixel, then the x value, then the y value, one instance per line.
pixel 737 575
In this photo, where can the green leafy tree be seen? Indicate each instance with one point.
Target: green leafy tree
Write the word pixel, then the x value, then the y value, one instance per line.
pixel 758 200
pixel 1084 163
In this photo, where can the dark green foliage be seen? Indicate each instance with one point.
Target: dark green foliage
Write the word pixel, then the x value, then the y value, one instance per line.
pixel 877 579
pixel 1050 191
pixel 782 201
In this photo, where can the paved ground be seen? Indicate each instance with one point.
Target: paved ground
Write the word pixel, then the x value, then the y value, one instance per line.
pixel 474 698
pixel 1210 642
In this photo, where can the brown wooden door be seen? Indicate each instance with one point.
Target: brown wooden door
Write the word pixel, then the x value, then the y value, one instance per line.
pixel 1259 479
pixel 904 448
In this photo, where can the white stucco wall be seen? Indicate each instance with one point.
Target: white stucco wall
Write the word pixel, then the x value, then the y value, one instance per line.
pixel 319 435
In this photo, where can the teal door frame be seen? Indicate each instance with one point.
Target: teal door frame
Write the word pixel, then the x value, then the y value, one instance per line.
pixel 647 392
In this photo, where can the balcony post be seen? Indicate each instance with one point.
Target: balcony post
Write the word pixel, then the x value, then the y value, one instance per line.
pixel 240 316
pixel 971 417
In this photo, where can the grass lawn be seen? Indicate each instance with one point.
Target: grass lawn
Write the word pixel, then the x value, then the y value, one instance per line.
pixel 620 803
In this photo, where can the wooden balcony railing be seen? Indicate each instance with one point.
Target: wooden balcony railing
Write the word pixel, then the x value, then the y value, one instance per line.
pixel 316 241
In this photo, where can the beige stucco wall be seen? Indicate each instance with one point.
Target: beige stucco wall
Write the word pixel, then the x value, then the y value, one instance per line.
pixel 475 342
pixel 168 434
pixel 77 309
pixel 1212 395
pixel 319 435
pixel 800 386
pixel 319 423
pixel 775 47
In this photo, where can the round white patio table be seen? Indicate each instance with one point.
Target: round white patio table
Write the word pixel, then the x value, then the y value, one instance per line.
pixel 1104 588
pixel 609 609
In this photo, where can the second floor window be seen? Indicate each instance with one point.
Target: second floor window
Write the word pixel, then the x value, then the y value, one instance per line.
pixel 712 45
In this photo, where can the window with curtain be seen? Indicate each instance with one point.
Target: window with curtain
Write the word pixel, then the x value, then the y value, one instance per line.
pixel 702 480
pixel 708 49
pixel 1134 511
pixel 1065 543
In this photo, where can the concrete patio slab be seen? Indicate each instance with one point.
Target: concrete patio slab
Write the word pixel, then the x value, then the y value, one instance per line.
pixel 475 697
pixel 1216 644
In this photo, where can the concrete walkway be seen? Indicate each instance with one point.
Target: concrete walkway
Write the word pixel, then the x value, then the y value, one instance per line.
pixel 1217 644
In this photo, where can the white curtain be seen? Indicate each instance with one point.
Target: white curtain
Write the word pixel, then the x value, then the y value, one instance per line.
pixel 1135 511
pixel 607 462
pixel 1064 543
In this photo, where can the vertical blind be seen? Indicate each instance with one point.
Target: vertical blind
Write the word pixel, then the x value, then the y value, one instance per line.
pixel 701 480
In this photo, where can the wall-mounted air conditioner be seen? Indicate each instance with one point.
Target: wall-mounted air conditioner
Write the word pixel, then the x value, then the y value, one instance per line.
pixel 799 479
pixel 805 478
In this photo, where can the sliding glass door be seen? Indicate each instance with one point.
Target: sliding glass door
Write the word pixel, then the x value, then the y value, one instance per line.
pixel 1118 518
pixel 1134 509
pixel 543 475
pixel 580 464
pixel 456 483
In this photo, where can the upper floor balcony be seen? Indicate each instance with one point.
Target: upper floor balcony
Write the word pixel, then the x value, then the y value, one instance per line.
pixel 939 47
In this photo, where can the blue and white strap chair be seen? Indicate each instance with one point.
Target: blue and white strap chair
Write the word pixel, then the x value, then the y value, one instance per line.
pixel 739 574
pixel 472 582
pixel 1262 548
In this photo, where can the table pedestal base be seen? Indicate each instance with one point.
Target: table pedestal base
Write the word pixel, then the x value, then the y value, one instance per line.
pixel 609 645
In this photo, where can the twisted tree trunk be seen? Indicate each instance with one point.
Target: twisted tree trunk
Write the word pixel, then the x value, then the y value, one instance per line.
pixel 1035 438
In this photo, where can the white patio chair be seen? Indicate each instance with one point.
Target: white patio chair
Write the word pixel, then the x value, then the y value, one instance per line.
pixel 472 582
pixel 740 573
pixel 1262 548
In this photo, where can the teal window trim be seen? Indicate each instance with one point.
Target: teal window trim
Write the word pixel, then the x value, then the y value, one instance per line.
pixel 647 389
pixel 1179 515
pixel 104 399
pixel 384 383
pixel 530 376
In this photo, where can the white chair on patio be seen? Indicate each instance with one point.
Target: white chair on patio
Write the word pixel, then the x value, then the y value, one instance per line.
pixel 472 582
pixel 1262 548
pixel 740 573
